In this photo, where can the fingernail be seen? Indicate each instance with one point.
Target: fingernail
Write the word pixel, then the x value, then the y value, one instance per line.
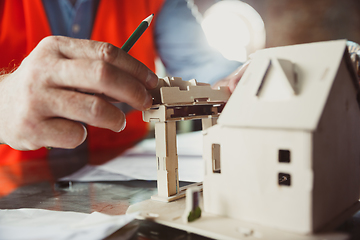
pixel 123 126
pixel 123 123
pixel 85 133
pixel 148 100
pixel 152 80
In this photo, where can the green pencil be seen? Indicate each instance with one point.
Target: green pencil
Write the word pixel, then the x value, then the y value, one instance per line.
pixel 137 33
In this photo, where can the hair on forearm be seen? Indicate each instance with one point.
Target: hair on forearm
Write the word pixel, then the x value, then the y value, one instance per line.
pixel 6 71
pixel 3 74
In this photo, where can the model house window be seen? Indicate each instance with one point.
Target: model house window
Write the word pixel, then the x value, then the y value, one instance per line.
pixel 284 156
pixel 216 158
pixel 284 179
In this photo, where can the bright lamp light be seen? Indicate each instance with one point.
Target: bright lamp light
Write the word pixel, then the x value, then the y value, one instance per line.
pixel 234 28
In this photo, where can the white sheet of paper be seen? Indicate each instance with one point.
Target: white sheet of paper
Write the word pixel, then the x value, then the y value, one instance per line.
pixel 188 144
pixel 90 173
pixel 144 167
pixel 41 224
pixel 139 162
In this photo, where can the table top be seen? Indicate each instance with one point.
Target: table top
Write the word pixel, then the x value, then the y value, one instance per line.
pixel 34 184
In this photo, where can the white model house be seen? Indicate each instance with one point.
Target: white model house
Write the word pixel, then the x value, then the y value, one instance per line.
pixel 286 150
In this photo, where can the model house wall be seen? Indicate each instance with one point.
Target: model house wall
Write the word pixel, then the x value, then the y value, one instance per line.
pixel 336 151
pixel 286 150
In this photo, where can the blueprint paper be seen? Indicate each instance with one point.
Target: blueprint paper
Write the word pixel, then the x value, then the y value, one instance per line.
pixel 144 167
pixel 139 163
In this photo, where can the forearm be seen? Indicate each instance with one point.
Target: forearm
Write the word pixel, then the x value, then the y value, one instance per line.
pixel 2 77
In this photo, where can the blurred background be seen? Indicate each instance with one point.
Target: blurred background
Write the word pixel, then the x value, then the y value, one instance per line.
pixel 301 21
pixel 238 28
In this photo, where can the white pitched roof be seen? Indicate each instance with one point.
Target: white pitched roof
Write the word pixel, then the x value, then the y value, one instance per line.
pixel 270 95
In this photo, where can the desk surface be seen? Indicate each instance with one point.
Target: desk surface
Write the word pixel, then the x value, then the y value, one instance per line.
pixel 33 184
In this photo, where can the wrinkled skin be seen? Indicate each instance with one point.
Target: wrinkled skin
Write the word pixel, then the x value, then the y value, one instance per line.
pixel 233 79
pixel 65 81
pixel 43 102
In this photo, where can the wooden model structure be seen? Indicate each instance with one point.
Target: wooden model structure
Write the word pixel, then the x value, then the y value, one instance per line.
pixel 283 161
pixel 176 100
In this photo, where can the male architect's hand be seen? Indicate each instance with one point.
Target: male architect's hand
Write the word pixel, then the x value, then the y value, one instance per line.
pixel 42 102
pixel 233 79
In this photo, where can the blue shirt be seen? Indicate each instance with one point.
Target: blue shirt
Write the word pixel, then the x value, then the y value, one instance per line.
pixel 183 49
pixel 72 21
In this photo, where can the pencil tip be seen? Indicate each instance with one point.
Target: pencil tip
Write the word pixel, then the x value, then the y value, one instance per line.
pixel 149 19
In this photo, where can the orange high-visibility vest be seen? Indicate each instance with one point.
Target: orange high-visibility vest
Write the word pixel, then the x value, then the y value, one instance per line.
pixel 23 24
